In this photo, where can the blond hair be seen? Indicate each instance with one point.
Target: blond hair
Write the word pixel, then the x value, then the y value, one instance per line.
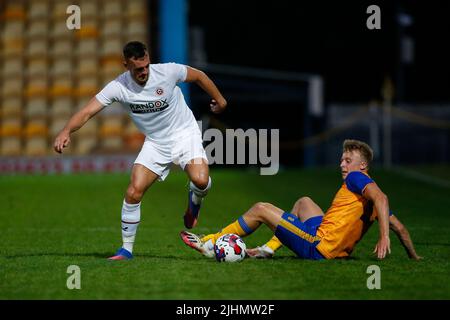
pixel 363 148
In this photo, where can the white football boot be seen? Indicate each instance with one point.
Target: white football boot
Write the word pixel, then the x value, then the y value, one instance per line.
pixel 193 241
pixel 263 252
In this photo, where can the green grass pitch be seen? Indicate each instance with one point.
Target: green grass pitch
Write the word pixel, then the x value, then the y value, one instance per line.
pixel 51 222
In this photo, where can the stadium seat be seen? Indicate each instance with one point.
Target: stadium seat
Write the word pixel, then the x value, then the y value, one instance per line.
pixel 36 107
pixel 60 31
pixel 13 30
pixel 86 137
pixel 86 144
pixel 36 127
pixel 48 72
pixel 81 102
pixel 136 29
pixel 87 47
pixel 112 125
pixel 12 87
pixel 87 67
pixel 56 126
pixel 11 126
pixel 13 48
pixel 60 9
pixel 111 144
pixel 61 67
pixel 36 138
pixel 90 128
pixel 12 67
pixel 62 86
pixel 37 48
pixel 14 10
pixel 136 9
pixel 62 48
pixel 133 137
pixel 37 87
pixel 38 30
pixel 11 146
pixel 89 30
pixel 87 87
pixel 39 10
pixel 111 132
pixel 61 107
pixel 11 107
pixel 111 9
pixel 36 146
pixel 111 47
pixel 89 9
pixel 37 67
pixel 112 28
pixel 110 71
pixel 10 134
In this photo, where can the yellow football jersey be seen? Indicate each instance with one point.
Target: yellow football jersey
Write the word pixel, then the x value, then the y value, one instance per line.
pixel 348 218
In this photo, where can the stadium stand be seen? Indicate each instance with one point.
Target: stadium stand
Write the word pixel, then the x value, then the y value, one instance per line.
pixel 48 72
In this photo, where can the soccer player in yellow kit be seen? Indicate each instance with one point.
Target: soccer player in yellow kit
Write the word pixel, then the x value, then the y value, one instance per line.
pixel 310 233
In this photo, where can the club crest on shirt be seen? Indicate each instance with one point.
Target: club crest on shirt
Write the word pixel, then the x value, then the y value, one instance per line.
pixel 159 91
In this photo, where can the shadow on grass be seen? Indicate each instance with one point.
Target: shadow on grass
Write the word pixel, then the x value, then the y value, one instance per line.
pixel 105 255
pixel 102 255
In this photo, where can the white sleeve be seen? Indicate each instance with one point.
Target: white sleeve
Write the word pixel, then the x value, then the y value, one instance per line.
pixel 109 93
pixel 177 72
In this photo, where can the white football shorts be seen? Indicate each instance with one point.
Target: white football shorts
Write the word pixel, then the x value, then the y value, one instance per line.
pixel 180 149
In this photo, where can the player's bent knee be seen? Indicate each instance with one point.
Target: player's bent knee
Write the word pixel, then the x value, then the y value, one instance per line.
pixel 260 207
pixel 201 181
pixel 266 213
pixel 303 201
pixel 201 185
pixel 134 195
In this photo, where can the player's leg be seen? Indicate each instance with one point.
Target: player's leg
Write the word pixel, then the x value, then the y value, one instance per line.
pixel 188 151
pixel 200 183
pixel 260 213
pixel 141 179
pixel 304 208
pixel 298 236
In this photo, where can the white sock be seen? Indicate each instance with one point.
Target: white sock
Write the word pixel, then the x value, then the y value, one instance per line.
pixel 131 216
pixel 197 193
pixel 128 243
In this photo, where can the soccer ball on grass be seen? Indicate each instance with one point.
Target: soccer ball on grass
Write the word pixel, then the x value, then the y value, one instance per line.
pixel 229 248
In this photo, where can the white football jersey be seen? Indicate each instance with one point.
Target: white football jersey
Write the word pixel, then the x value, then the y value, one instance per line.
pixel 158 109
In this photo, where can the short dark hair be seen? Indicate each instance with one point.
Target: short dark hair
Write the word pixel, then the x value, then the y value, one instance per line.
pixel 134 49
pixel 364 149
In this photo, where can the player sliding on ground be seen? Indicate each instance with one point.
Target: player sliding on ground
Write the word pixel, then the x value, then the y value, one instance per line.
pixel 309 232
pixel 150 95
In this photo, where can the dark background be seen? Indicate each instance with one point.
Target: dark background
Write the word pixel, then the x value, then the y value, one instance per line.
pixel 331 38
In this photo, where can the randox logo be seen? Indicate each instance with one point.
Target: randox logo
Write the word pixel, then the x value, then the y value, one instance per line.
pixel 152 106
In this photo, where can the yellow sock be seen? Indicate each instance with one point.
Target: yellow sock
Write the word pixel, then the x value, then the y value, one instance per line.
pixel 274 243
pixel 236 227
pixel 207 237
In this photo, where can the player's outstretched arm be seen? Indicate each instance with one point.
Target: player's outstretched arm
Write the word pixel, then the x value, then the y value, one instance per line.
pixel 62 140
pixel 381 204
pixel 218 102
pixel 403 235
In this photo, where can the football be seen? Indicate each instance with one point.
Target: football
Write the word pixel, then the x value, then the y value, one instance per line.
pixel 229 248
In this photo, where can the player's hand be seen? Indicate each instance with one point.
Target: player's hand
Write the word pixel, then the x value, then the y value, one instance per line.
pixel 62 140
pixel 218 106
pixel 383 247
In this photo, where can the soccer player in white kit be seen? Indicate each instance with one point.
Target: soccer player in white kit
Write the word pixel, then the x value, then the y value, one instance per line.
pixel 150 95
